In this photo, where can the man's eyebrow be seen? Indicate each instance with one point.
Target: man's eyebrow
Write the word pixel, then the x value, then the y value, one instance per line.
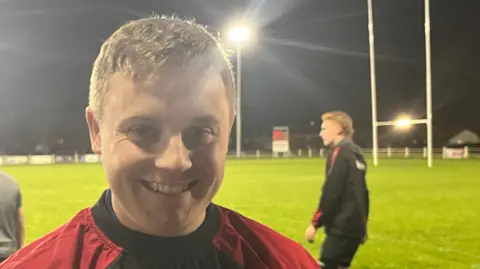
pixel 137 119
pixel 209 119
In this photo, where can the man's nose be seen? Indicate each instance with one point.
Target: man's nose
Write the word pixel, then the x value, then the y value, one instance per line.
pixel 174 156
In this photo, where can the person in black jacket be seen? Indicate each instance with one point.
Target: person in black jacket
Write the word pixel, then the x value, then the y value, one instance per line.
pixel 344 204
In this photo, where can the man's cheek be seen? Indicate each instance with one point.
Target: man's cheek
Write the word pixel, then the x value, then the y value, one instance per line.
pixel 202 161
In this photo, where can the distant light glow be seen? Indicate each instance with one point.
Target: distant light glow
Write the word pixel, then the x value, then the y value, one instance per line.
pixel 403 122
pixel 239 34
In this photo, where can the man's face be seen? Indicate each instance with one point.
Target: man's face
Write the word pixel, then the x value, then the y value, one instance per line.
pixel 163 145
pixel 330 131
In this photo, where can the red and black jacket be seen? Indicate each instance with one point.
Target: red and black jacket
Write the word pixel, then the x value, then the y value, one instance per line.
pixel 94 239
pixel 344 204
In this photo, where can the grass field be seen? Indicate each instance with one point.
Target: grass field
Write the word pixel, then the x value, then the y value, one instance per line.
pixel 420 217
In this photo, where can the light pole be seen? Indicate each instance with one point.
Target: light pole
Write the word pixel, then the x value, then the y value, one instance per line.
pixel 373 82
pixel 428 68
pixel 239 35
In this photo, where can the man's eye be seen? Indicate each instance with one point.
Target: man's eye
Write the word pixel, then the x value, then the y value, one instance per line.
pixel 198 137
pixel 143 132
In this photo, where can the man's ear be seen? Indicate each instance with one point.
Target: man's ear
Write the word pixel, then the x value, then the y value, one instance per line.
pixel 341 131
pixel 94 131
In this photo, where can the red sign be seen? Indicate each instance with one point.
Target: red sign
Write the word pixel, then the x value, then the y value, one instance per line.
pixel 280 135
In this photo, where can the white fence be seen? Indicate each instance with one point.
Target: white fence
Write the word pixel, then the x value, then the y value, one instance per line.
pixel 445 153
pixel 48 159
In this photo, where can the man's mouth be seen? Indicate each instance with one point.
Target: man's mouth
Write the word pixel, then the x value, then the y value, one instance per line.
pixel 168 188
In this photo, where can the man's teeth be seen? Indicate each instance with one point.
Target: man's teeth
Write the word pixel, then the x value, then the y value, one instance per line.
pixel 167 189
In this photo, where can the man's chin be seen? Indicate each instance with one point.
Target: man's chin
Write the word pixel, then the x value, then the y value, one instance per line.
pixel 171 221
pixel 328 145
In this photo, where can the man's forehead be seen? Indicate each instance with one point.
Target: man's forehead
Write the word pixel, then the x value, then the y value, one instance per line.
pixel 205 99
pixel 169 84
pixel 328 123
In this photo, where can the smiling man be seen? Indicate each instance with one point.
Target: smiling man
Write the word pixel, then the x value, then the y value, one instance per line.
pixel 161 109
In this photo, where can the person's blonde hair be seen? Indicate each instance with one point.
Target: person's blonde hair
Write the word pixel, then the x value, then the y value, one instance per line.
pixel 343 119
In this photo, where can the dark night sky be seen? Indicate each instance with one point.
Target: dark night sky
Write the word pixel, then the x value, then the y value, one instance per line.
pixel 311 56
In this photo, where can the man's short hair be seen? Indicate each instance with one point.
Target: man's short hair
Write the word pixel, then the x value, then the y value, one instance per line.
pixel 141 48
pixel 343 119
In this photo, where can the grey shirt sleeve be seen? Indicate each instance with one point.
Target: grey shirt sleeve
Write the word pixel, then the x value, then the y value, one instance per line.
pixel 19 200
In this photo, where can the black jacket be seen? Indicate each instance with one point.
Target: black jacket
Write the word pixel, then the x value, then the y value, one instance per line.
pixel 344 205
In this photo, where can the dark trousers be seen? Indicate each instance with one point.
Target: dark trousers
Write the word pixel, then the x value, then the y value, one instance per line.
pixel 338 251
pixel 2 259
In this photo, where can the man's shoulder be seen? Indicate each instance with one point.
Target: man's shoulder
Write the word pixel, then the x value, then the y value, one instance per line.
pixel 349 149
pixel 60 246
pixel 274 249
pixel 9 181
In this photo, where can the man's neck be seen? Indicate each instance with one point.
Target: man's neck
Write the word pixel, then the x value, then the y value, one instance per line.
pixel 338 140
pixel 162 226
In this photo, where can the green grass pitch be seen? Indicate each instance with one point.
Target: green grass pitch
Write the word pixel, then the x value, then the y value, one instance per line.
pixel 420 217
